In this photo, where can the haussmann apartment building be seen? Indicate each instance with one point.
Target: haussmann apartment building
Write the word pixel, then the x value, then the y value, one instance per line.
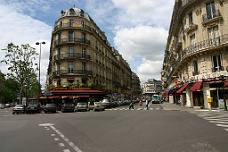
pixel 195 65
pixel 83 65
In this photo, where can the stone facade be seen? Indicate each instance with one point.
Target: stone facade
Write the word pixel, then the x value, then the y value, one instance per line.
pixel 197 51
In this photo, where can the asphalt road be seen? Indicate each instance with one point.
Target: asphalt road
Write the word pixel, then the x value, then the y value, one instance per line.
pixel 114 130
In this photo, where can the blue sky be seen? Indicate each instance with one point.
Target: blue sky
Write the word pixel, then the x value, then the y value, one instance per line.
pixel 137 29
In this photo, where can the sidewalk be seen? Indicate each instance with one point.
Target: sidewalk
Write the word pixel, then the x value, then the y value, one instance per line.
pixel 175 107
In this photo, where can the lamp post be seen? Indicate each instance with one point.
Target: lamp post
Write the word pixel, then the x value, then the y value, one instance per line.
pixel 39 89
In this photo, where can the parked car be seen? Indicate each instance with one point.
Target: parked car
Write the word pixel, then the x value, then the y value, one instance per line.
pixel 106 103
pixel 2 106
pixel 19 109
pixel 67 107
pixel 33 108
pixel 98 106
pixel 90 105
pixel 81 106
pixel 50 107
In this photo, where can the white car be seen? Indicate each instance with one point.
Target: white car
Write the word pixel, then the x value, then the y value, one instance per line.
pixel 98 106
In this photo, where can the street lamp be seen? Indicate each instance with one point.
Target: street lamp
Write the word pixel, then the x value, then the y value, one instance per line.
pixel 39 89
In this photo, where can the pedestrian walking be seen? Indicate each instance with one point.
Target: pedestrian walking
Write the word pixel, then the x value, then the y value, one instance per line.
pixel 147 104
pixel 140 103
pixel 131 105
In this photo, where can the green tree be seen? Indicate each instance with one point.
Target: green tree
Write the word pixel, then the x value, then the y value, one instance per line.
pixel 20 65
pixel 2 85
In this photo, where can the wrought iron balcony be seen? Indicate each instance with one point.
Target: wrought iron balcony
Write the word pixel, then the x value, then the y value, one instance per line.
pixel 71 40
pixel 215 69
pixel 71 55
pixel 76 72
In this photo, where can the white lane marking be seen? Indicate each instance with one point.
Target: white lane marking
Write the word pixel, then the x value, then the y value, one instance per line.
pixel 52 135
pixel 66 150
pixel 46 124
pixel 61 144
pixel 56 139
pixel 221 122
pixel 66 139
pixel 220 125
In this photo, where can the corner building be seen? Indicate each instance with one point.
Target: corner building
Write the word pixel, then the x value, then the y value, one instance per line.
pixel 83 65
pixel 196 57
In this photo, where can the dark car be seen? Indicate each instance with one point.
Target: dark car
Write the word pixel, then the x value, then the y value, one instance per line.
pixel 19 109
pixel 67 107
pixel 33 108
pixel 50 107
pixel 81 106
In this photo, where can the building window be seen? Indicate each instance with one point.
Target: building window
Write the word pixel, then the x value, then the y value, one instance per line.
pixel 71 22
pixel 61 24
pixel 217 64
pixel 190 18
pixel 71 51
pixel 82 13
pixel 213 34
pixel 83 37
pixel 70 67
pixel 83 24
pixel 83 67
pixel 70 36
pixel 195 66
pixel 72 12
pixel 83 52
pixel 58 68
pixel 59 52
pixel 211 12
pixel 192 40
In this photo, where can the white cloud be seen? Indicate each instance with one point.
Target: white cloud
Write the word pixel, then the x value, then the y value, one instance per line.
pixel 145 42
pixel 22 29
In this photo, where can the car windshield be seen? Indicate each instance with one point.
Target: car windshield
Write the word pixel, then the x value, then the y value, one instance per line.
pixel 98 103
pixel 19 106
pixel 50 105
pixel 81 103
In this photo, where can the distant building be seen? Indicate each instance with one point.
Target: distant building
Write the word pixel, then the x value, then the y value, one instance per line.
pixel 136 90
pixel 152 89
pixel 196 58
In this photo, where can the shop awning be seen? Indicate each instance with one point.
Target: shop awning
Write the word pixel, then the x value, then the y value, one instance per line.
pixel 196 86
pixel 81 96
pixel 226 82
pixel 53 97
pixel 182 88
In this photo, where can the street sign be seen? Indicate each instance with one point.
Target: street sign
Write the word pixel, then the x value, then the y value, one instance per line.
pixel 18 94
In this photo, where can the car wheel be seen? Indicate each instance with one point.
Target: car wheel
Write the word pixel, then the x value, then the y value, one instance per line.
pixel 13 113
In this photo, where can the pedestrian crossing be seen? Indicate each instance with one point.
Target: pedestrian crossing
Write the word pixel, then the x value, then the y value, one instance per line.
pixel 220 119
pixel 126 108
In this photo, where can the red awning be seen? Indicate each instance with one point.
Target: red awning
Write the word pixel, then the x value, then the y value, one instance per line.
pixel 196 86
pixel 226 82
pixel 53 97
pixel 81 96
pixel 182 88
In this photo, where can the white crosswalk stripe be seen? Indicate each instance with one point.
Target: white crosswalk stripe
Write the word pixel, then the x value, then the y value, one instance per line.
pixel 220 119
pixel 114 109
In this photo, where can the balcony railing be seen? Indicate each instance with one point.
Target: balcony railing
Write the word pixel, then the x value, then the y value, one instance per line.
pixel 81 72
pixel 215 69
pixel 72 55
pixel 206 44
pixel 71 40
pixel 199 47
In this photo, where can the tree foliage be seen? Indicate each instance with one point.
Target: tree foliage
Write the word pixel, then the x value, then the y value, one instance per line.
pixel 19 60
